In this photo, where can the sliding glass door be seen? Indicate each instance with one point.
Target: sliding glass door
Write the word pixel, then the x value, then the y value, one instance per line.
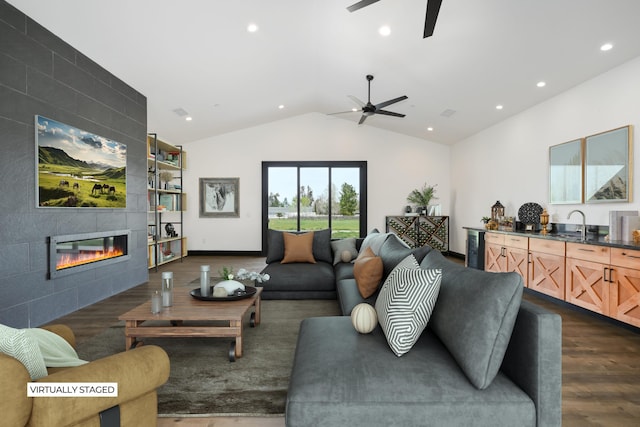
pixel 304 196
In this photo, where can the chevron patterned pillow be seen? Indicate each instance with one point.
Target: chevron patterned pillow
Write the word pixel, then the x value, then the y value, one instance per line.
pixel 405 303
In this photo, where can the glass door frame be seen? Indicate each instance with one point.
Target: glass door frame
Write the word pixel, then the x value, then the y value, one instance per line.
pixel 361 165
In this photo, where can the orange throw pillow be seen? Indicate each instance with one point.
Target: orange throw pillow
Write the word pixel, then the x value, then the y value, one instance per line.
pixel 367 271
pixel 298 248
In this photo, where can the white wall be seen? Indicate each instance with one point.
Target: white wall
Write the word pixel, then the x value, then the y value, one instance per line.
pixel 509 161
pixel 397 164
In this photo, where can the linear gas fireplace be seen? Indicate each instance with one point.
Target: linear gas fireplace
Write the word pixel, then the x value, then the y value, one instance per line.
pixel 78 252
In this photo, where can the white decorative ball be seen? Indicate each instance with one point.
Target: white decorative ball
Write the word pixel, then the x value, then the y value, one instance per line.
pixel 345 256
pixel 364 318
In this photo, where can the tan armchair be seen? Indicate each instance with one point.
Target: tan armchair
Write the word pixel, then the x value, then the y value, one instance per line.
pixel 138 372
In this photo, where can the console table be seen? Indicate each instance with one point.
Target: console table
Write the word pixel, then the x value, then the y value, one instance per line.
pixel 421 230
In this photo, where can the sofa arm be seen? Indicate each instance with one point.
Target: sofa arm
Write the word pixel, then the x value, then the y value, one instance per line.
pixel 137 372
pixel 534 361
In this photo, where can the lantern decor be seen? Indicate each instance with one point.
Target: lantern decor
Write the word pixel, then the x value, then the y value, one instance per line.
pixel 364 318
pixel 497 211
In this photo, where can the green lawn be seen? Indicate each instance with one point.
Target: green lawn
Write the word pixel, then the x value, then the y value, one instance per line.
pixel 341 227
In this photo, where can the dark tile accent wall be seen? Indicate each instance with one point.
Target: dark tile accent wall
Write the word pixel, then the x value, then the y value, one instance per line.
pixel 40 74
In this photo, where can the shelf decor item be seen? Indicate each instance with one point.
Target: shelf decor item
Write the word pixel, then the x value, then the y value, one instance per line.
pixel 421 197
pixel 529 215
pixel 497 211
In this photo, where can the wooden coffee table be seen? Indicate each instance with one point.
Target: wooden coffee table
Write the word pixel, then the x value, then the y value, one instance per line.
pixel 187 308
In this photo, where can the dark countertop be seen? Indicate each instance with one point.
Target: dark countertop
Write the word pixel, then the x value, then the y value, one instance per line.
pixel 571 237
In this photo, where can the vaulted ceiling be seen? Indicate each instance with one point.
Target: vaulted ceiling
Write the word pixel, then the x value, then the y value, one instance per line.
pixel 197 57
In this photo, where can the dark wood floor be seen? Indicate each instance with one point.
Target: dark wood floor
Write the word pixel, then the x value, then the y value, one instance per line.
pixel 601 360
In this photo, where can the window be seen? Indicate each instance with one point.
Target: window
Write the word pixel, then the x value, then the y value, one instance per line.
pixel 306 196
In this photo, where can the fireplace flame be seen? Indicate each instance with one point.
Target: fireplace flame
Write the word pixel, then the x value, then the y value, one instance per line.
pixel 86 257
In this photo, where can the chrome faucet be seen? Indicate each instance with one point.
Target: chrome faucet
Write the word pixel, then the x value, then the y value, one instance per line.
pixel 584 223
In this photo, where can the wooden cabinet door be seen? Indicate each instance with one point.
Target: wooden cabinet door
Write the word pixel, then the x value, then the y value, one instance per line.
pixel 547 274
pixel 493 258
pixel 518 261
pixel 585 285
pixel 624 298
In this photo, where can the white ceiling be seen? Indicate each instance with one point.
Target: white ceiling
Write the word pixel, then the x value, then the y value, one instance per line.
pixel 308 55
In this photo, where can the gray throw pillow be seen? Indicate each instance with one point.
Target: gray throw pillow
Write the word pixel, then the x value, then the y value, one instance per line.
pixel 474 316
pixel 394 250
pixel 374 240
pixel 340 245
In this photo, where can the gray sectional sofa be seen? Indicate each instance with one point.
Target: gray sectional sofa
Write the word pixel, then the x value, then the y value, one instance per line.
pixel 486 358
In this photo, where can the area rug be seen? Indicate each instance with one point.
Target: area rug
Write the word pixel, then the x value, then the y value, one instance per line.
pixel 204 382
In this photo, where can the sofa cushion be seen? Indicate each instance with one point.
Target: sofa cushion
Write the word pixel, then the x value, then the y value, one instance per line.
pixel 300 277
pixel 349 296
pixel 405 303
pixel 298 248
pixel 343 378
pixel 343 245
pixel 367 270
pixel 321 245
pixel 23 347
pixel 394 250
pixel 474 316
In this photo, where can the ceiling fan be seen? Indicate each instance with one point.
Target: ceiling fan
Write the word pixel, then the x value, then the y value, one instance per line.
pixel 433 7
pixel 370 109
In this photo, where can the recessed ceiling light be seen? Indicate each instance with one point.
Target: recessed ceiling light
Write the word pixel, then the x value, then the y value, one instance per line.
pixel 252 28
pixel 541 84
pixel 384 30
pixel 499 107
pixel 354 109
pixel 281 106
pixel 188 118
pixel 605 47
pixel 430 129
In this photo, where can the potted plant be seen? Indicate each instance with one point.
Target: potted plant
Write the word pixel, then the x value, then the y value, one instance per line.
pixel 485 220
pixel 421 197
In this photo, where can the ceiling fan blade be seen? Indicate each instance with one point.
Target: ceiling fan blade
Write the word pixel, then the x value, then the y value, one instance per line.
pixel 389 113
pixel 362 119
pixel 360 5
pixel 344 112
pixel 391 101
pixel 433 8
pixel 356 100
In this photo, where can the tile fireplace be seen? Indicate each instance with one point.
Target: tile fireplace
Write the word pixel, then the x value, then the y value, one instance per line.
pixel 79 252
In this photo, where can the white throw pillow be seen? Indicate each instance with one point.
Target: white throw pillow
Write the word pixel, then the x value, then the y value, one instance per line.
pixel 19 345
pixel 56 351
pixel 405 303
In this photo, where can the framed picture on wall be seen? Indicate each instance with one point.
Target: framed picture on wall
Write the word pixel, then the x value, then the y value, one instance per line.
pixel 78 169
pixel 565 172
pixel 219 197
pixel 607 172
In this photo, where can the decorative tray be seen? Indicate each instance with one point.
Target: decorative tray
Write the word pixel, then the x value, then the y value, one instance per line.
pixel 248 291
pixel 529 213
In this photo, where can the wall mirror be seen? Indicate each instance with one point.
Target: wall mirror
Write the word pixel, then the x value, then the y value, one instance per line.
pixel 565 172
pixel 607 172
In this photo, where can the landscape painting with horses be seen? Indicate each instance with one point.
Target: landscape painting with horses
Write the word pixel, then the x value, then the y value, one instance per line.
pixel 79 169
